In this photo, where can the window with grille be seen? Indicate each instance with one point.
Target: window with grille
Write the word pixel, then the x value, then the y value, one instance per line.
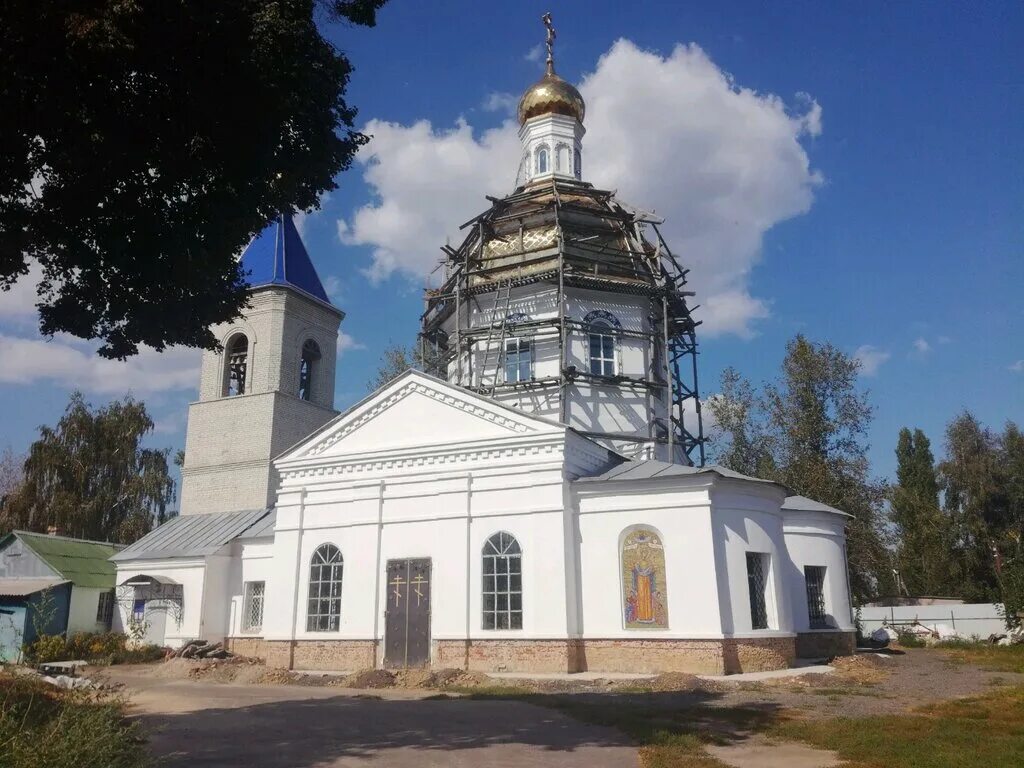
pixel 502 583
pixel 310 358
pixel 814 576
pixel 518 360
pixel 602 351
pixel 757 581
pixel 542 160
pixel 252 606
pixel 238 365
pixel 323 609
pixel 105 609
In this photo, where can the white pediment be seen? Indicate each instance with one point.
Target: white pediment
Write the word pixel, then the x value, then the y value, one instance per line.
pixel 417 410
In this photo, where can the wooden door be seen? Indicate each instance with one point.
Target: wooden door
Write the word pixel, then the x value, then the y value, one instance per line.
pixel 407 617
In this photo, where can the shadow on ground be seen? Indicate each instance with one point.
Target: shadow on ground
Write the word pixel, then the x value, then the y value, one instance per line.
pixel 586 730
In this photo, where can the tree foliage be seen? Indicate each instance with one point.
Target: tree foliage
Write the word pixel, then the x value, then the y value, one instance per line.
pixel 806 430
pixel 90 476
pixel 924 533
pixel 144 143
pixel 982 479
pixel 396 359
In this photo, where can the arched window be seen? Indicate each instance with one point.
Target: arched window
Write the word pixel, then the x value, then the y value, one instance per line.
pixel 603 332
pixel 644 592
pixel 543 161
pixel 578 166
pixel 310 358
pixel 323 609
pixel 502 583
pixel 237 352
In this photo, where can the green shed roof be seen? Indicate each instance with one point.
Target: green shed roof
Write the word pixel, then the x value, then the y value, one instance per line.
pixel 83 563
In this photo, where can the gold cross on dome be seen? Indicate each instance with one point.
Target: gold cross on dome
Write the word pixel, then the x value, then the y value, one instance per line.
pixel 549 41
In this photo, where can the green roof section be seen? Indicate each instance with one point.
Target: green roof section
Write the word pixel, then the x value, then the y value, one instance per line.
pixel 83 563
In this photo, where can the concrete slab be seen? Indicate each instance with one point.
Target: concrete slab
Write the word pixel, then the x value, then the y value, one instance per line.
pixel 760 753
pixel 775 674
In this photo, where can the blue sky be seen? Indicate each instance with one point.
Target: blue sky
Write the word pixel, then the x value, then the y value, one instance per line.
pixel 863 161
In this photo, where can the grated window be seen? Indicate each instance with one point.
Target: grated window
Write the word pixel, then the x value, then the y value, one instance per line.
pixel 814 576
pixel 252 609
pixel 757 583
pixel 323 608
pixel 502 583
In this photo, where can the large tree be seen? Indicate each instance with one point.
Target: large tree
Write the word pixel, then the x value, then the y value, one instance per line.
pixel 145 142
pixel 925 535
pixel 982 479
pixel 806 430
pixel 91 477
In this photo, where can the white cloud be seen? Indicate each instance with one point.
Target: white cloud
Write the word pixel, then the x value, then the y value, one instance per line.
pixel 20 301
pixel 1017 367
pixel 333 285
pixel 536 54
pixel 922 346
pixel 501 102
pixel 346 343
pixel 870 359
pixel 723 164
pixel 944 339
pixel 73 364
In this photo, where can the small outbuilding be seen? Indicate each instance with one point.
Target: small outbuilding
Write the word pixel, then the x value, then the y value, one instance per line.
pixel 53 585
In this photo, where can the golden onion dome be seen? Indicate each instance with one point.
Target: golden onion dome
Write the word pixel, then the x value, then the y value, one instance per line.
pixel 551 95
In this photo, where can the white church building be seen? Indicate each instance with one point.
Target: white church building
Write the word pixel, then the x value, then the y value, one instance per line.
pixel 534 507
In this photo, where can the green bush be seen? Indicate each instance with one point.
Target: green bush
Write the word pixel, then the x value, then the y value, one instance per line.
pixel 98 648
pixel 42 726
pixel 910 640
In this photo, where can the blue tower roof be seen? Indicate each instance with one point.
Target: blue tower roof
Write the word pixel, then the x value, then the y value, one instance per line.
pixel 276 256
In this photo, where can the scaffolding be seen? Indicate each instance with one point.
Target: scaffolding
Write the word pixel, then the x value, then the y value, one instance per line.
pixel 566 234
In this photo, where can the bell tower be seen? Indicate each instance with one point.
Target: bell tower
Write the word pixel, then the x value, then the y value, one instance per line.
pixel 565 302
pixel 270 385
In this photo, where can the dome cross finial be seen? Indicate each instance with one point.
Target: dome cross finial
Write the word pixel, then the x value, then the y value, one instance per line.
pixel 550 42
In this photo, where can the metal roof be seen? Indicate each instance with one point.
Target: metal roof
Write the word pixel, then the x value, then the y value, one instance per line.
pixel 26 587
pixel 652 468
pixel 277 256
pixel 804 504
pixel 191 535
pixel 264 527
pixel 84 563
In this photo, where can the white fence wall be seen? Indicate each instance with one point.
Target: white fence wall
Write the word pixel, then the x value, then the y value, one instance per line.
pixel 981 619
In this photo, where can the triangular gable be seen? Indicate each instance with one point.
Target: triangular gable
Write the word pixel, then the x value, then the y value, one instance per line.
pixel 417 410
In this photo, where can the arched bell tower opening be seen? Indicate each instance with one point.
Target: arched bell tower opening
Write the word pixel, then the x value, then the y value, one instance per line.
pixel 566 302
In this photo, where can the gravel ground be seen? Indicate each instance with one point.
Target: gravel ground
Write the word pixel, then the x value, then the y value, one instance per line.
pixel 903 680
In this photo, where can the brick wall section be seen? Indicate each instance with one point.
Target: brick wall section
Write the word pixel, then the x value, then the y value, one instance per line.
pixel 507 655
pixel 253 647
pixel 326 655
pixel 758 654
pixel 653 656
pixel 819 645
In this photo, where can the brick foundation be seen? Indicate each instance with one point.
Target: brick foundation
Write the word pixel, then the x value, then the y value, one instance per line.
pixel 819 645
pixel 643 655
pixel 508 655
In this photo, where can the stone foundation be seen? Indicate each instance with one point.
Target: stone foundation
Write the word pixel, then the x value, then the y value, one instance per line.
pixel 822 644
pixel 641 655
pixel 326 655
pixel 247 646
pixel 508 655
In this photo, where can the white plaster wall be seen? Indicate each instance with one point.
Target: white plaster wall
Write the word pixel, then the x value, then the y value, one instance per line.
pixel 682 517
pixel 187 572
pixel 815 538
pixel 252 560
pixel 747 518
pixel 82 613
